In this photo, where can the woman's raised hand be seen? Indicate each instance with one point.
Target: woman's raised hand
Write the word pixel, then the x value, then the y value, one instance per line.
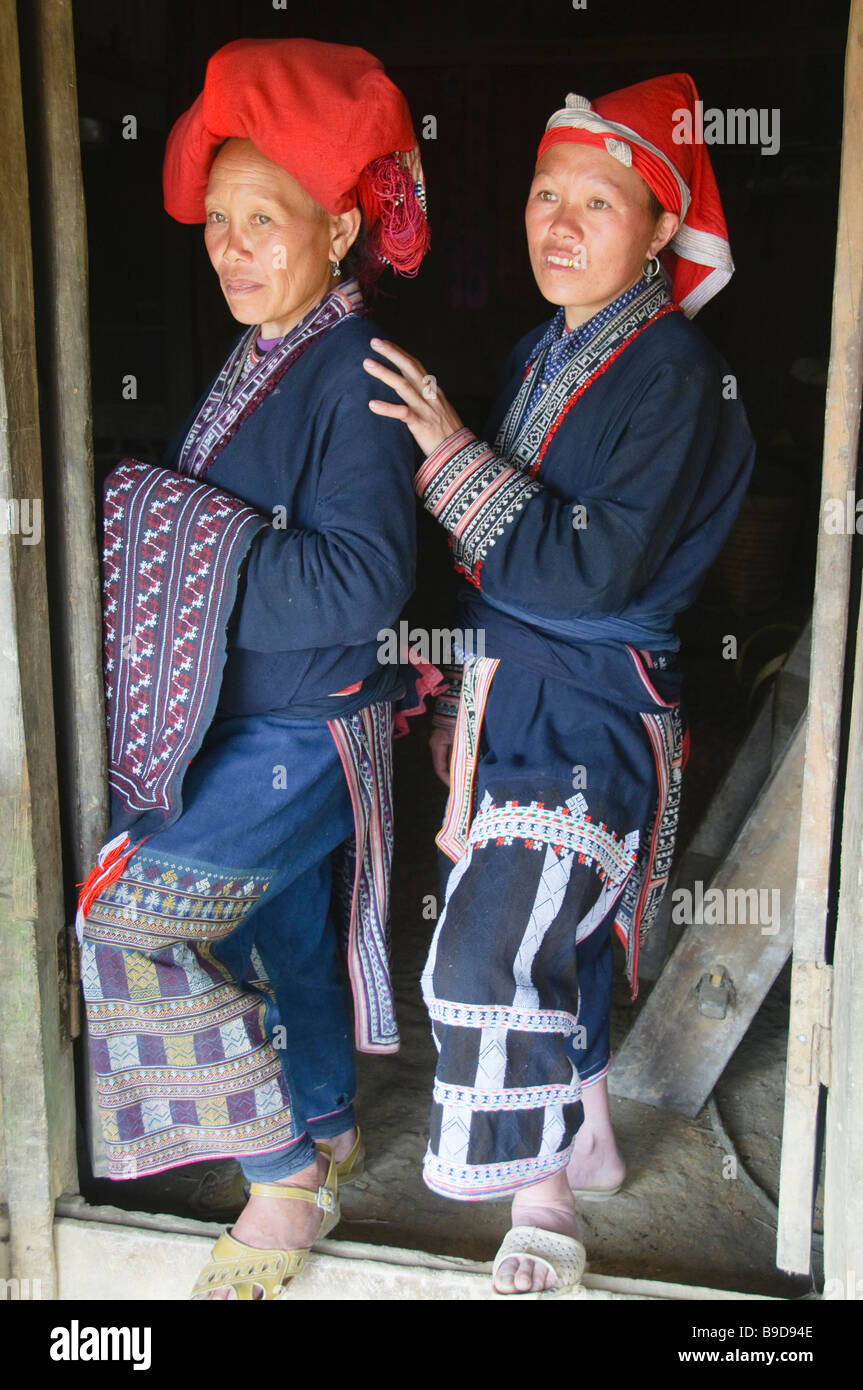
pixel 425 409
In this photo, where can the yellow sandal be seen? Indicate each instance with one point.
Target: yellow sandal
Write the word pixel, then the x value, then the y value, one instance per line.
pixel 233 1265
pixel 353 1165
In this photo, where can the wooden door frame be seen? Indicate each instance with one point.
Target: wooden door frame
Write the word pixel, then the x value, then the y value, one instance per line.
pixel 36 1069
pixel 824 1007
pixel 36 1073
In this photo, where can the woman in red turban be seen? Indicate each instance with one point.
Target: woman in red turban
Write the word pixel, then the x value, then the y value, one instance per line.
pixel 585 519
pixel 250 719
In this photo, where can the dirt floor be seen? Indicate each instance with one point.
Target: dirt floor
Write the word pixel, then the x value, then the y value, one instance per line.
pixel 679 1217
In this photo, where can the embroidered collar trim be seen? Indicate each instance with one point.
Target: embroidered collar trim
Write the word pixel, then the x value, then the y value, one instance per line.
pixel 232 398
pixel 520 437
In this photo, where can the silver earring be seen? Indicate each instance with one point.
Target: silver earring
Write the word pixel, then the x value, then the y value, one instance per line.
pixel 335 269
pixel 650 268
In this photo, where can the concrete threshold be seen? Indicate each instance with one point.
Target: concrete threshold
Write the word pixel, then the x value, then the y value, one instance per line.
pixel 104 1253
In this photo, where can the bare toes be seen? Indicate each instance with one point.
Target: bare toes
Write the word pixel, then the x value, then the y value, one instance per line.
pixel 523 1275
pixel 542 1277
pixel 504 1279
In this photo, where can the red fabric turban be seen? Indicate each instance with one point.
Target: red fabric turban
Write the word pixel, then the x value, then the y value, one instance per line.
pixel 648 128
pixel 326 113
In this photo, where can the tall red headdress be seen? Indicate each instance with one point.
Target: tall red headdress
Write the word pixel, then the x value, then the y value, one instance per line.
pixel 650 128
pixel 326 113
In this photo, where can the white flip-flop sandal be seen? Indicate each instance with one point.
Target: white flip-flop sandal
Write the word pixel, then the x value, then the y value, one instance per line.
pixel 564 1256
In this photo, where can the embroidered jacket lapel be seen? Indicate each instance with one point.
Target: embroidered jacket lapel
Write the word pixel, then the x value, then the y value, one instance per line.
pixel 227 404
pixel 520 441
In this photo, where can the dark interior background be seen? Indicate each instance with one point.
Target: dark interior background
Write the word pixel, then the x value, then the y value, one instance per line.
pixel 491 74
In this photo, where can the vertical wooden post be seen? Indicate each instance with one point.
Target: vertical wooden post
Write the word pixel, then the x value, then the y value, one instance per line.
pixel 843 1179
pixel 810 982
pixel 64 349
pixel 35 1056
pixel 60 247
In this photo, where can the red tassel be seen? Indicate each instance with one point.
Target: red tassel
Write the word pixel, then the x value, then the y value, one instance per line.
pixel 400 230
pixel 112 860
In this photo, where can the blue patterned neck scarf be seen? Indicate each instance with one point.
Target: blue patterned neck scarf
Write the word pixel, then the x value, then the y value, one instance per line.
pixel 562 345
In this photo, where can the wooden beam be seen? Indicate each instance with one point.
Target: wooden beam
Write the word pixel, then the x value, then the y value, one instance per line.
pixel 675 1053
pixel 764 744
pixel 35 1056
pixel 829 627
pixel 843 1178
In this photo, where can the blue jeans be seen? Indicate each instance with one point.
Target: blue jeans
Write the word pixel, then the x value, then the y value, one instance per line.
pixel 308 1021
pixel 307 1016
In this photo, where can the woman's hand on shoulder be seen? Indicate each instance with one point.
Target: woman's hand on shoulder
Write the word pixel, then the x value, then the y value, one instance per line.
pixel 424 409
pixel 440 743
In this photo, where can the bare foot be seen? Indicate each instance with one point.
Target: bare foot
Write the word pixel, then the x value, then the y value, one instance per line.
pixel 596 1161
pixel 341 1144
pixel 596 1165
pixel 273 1223
pixel 548 1205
